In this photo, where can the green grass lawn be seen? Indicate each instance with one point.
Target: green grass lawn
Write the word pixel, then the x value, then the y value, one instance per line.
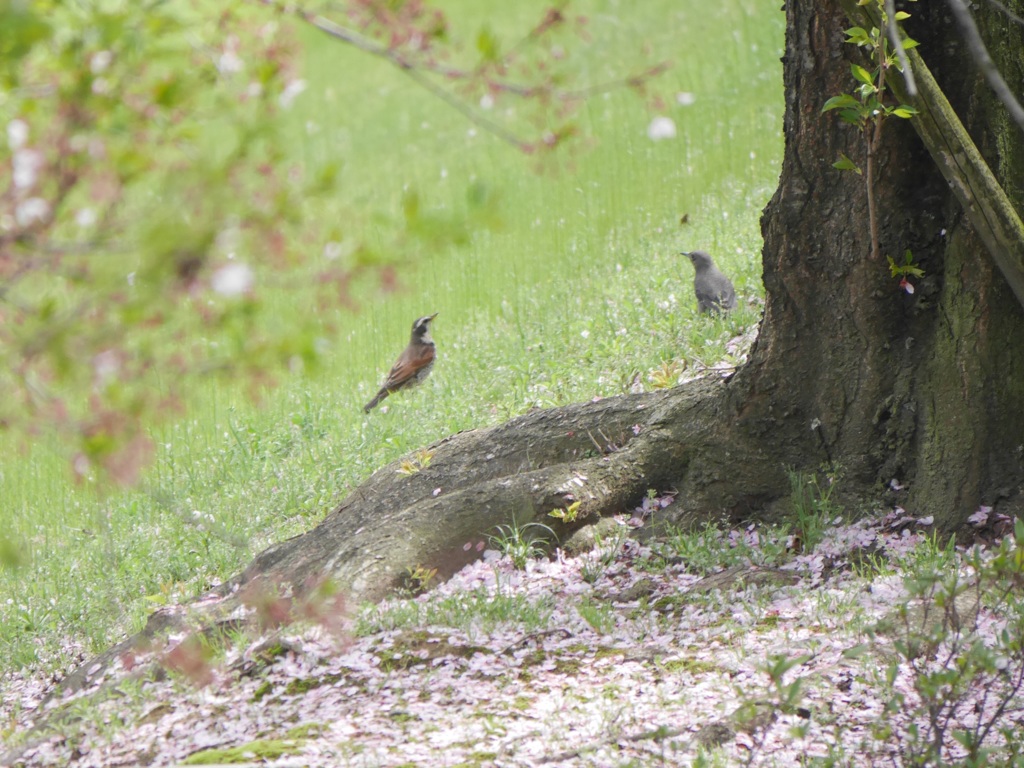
pixel 574 290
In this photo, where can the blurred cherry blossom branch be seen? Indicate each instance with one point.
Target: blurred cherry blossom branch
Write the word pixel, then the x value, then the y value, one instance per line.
pixel 410 47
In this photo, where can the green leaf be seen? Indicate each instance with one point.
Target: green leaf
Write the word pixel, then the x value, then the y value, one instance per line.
pixel 907 269
pixel 853 116
pixel 909 43
pixel 867 95
pixel 901 15
pixel 487 44
pixel 411 206
pixel 845 164
pixel 857 36
pixel 843 100
pixel 168 92
pixel 861 74
pixel 21 31
pixel 904 110
pixel 856 651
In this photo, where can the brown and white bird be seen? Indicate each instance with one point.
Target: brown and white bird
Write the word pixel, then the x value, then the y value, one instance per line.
pixel 412 366
pixel 714 290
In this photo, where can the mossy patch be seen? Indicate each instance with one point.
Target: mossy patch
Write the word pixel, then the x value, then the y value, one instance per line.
pixel 401 716
pixel 669 603
pixel 420 647
pixel 568 666
pixel 265 688
pixel 535 657
pixel 263 749
pixel 478 759
pixel 587 538
pixel 607 651
pixel 689 666
pixel 306 731
pixel 304 684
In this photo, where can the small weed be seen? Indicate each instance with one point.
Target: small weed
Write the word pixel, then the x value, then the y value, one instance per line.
pixel 591 569
pixel 667 374
pixel 871 565
pixel 813 506
pixel 418 578
pixel 599 616
pixel 690 666
pixel 417 463
pixel 522 543
pixel 566 514
pixel 608 546
pixel 653 563
pixel 709 549
pixel 479 610
pixel 929 556
pixel 943 668
pixel 606 549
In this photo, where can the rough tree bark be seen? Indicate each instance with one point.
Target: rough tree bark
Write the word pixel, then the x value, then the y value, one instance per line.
pixel 926 388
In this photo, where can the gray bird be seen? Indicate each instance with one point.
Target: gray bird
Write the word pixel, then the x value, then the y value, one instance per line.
pixel 714 290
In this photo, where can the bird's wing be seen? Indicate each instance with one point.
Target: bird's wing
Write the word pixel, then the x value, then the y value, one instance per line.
pixel 411 361
pixel 729 297
pixel 716 290
pixel 705 297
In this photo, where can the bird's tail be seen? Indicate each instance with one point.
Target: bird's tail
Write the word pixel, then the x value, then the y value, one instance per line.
pixel 376 399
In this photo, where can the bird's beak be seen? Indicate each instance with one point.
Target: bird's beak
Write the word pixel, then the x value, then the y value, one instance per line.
pixel 432 316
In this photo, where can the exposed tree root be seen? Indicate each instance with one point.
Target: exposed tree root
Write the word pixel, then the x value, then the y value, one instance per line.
pixel 606 454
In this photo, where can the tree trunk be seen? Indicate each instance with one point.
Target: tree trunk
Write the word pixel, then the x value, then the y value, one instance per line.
pixel 926 389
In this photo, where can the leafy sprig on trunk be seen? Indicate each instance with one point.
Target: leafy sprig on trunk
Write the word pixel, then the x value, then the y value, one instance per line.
pixel 866 108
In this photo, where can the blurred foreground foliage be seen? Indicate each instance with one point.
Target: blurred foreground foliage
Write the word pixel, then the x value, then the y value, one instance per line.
pixel 149 199
pixel 144 193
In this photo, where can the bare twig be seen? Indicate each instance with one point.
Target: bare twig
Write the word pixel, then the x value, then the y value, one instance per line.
pixel 596 444
pixel 988 67
pixel 392 55
pixel 460 106
pixel 419 69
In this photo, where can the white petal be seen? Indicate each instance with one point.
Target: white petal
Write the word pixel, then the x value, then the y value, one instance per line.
pixel 17 133
pixel 661 128
pixel 233 279
pixel 31 211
